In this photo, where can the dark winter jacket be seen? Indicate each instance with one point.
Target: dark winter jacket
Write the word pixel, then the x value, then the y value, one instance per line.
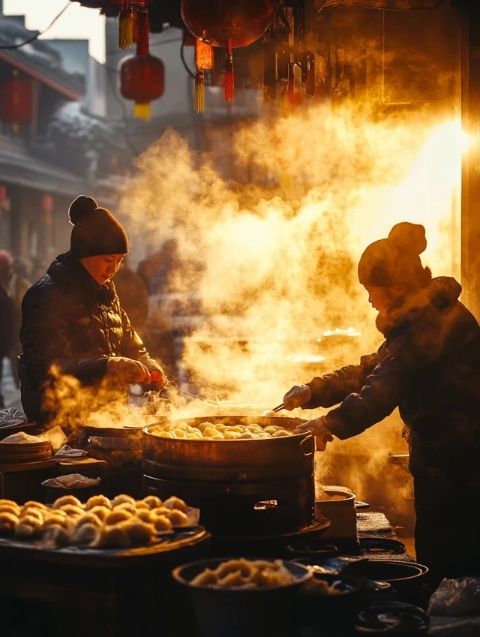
pixel 70 321
pixel 428 366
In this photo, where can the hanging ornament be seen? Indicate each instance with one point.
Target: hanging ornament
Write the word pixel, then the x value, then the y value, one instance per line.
pixel 17 100
pixel 142 76
pixel 125 25
pixel 228 25
pixel 47 209
pixel 203 62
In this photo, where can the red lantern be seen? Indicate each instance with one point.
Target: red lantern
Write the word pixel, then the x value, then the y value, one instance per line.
pixel 230 25
pixel 142 77
pixel 17 100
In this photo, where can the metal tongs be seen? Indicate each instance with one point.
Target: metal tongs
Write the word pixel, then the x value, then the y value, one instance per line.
pixel 279 407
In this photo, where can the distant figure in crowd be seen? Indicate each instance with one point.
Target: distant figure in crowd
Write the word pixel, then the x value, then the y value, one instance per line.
pixel 7 319
pixel 19 284
pixel 133 295
pixel 72 317
pixel 428 366
pixel 158 269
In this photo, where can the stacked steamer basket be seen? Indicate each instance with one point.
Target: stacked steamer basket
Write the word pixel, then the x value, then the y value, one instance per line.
pixel 25 452
pixel 121 448
pixel 244 487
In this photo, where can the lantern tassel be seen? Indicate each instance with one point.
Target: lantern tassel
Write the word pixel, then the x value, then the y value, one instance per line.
pixel 125 28
pixel 141 110
pixel 199 97
pixel 229 86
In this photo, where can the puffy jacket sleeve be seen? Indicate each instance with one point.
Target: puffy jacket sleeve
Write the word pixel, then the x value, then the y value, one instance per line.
pixel 330 389
pixel 379 395
pixel 132 344
pixel 46 340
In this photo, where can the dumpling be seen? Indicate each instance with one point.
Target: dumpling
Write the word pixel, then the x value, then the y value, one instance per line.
pixel 35 504
pixel 140 504
pixel 88 518
pixel 122 499
pixel 127 506
pixel 145 515
pixel 72 510
pixel 86 534
pixel 66 499
pixel 152 501
pixel 115 537
pixel 161 523
pixel 25 530
pixel 116 516
pixel 178 518
pixel 176 503
pixel 98 500
pixel 57 535
pixel 138 532
pixel 54 519
pixel 8 521
pixel 34 512
pixel 6 507
pixel 100 511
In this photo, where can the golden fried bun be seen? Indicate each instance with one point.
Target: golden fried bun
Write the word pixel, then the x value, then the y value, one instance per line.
pixel 24 530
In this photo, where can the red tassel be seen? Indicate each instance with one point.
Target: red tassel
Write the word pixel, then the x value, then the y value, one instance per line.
pixel 229 86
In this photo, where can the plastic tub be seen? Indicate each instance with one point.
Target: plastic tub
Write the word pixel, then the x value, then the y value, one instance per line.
pixel 230 612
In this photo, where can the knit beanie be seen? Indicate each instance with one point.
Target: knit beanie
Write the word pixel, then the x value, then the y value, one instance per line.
pixel 396 259
pixel 95 230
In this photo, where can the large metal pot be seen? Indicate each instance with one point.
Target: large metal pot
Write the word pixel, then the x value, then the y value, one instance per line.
pixel 232 460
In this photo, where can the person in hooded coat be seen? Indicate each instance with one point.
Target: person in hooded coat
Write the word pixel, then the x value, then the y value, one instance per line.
pixel 72 319
pixel 429 367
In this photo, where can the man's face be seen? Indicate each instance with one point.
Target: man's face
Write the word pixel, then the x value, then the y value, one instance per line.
pixel 102 267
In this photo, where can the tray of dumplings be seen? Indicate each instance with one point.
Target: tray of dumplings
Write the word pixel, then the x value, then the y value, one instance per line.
pixel 121 526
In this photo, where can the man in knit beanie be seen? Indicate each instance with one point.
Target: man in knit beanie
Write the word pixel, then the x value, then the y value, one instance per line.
pixel 72 320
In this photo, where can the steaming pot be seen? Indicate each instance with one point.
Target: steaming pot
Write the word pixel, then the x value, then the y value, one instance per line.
pixel 242 486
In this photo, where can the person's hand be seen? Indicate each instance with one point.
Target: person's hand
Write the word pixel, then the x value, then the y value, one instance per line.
pixel 127 370
pixel 319 429
pixel 297 396
pixel 158 377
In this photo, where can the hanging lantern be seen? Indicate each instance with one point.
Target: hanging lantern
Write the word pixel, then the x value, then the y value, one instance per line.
pixel 203 62
pixel 142 76
pixel 47 209
pixel 230 25
pixel 17 100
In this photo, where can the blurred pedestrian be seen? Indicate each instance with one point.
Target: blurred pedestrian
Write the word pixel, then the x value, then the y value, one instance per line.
pixel 6 312
pixel 19 284
pixel 133 295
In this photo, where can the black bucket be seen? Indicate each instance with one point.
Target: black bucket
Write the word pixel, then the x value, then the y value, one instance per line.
pixel 256 612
